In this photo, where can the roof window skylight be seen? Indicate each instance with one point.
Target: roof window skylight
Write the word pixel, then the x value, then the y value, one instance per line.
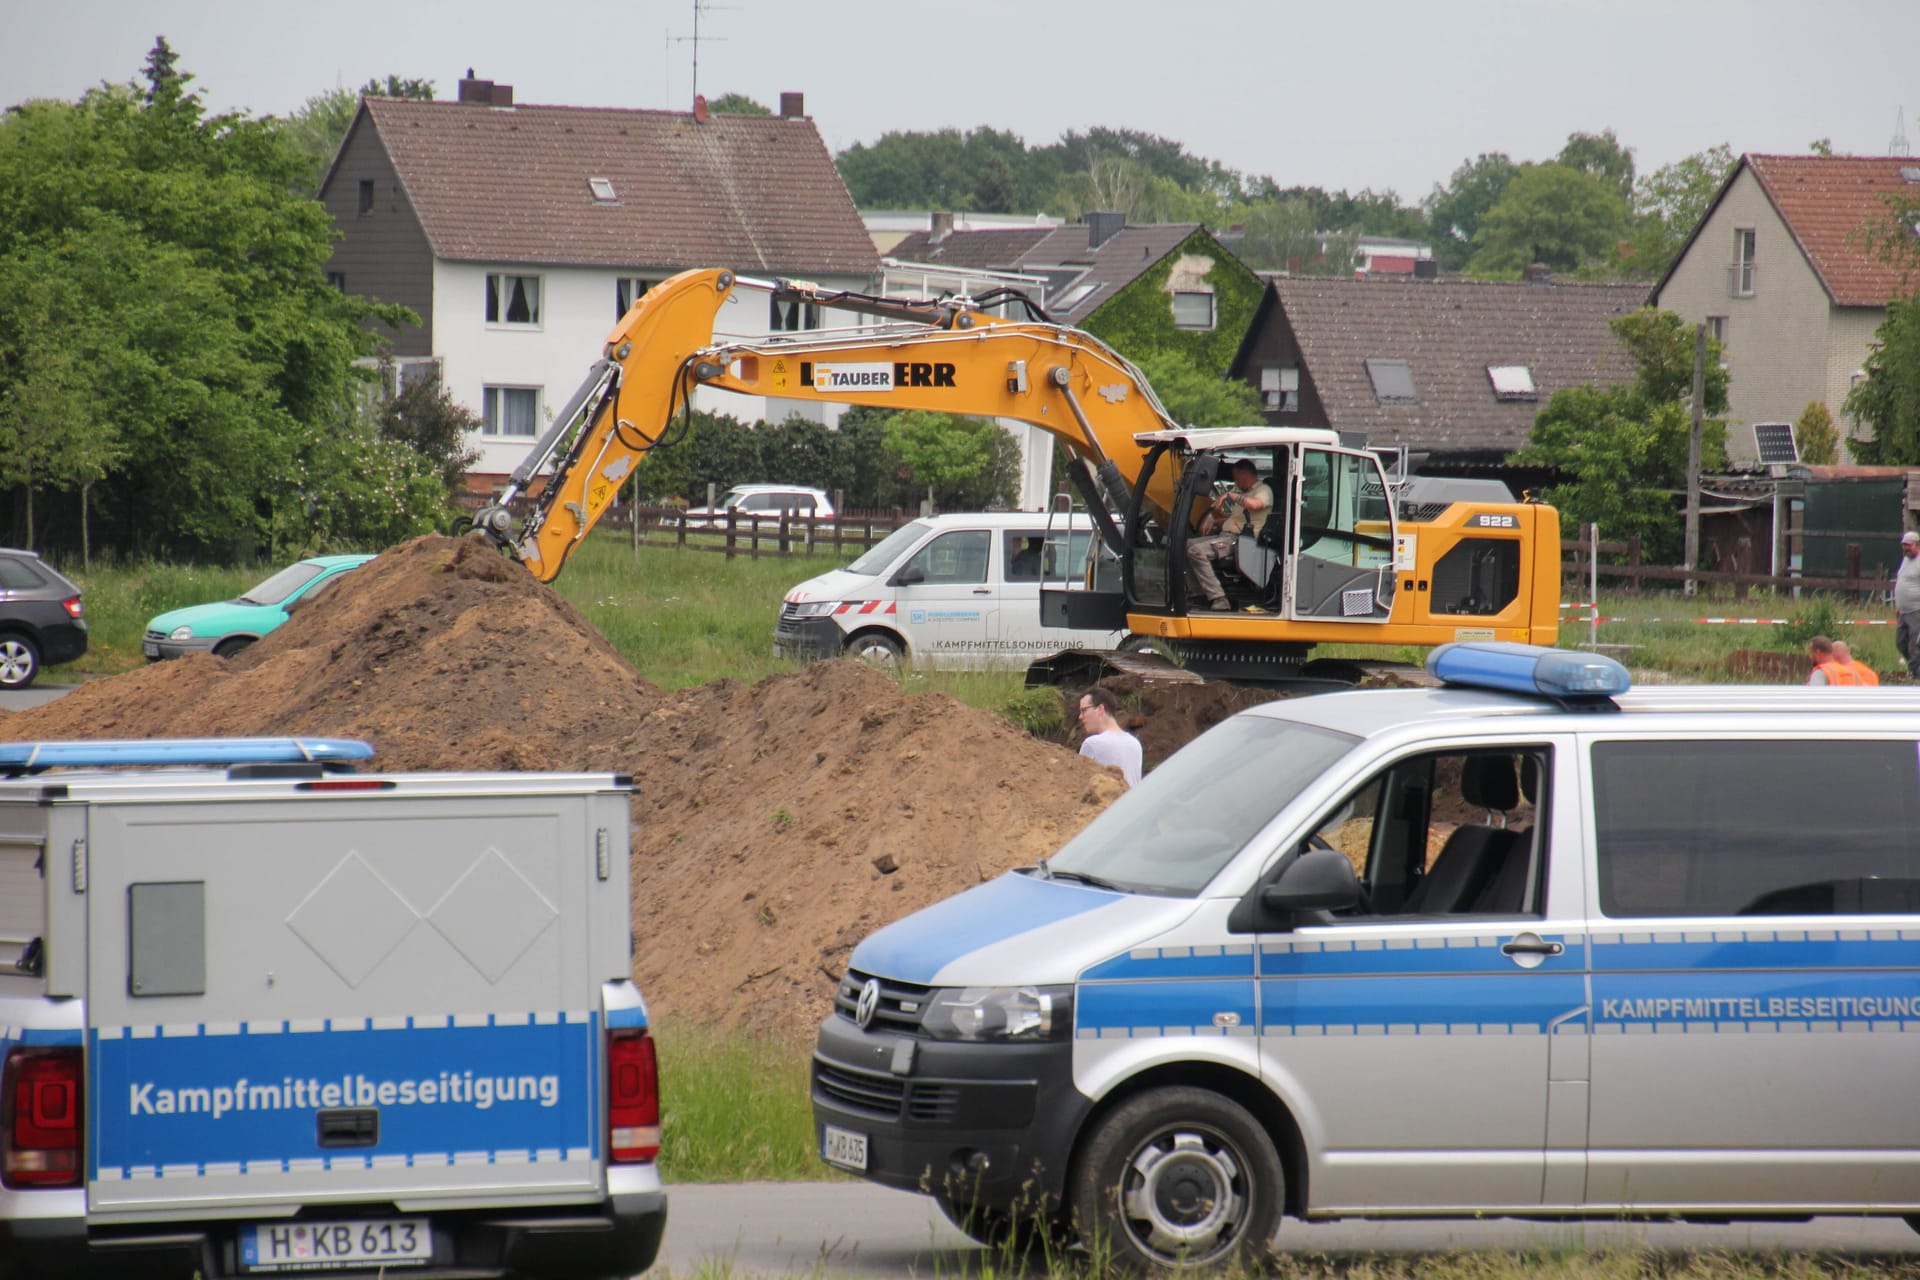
pixel 1392 381
pixel 1512 382
pixel 602 190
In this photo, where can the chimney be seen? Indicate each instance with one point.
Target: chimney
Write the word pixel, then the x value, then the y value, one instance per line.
pixel 793 106
pixel 1539 275
pixel 940 228
pixel 1102 227
pixel 485 93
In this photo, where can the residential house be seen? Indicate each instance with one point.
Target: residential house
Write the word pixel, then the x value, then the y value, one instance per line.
pixel 1783 271
pixel 521 233
pixel 1143 289
pixel 1450 371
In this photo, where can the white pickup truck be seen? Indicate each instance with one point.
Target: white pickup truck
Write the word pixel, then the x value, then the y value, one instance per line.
pixel 261 1013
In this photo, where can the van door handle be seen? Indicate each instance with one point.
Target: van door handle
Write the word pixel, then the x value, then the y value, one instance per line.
pixel 983 591
pixel 1528 944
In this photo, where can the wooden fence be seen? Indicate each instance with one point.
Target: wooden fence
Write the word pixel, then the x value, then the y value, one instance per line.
pixel 740 534
pixel 1577 567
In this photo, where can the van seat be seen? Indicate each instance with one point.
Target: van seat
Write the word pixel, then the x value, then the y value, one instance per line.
pixel 1473 855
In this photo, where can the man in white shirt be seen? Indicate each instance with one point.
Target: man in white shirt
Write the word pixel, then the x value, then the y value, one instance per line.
pixel 1906 603
pixel 1106 741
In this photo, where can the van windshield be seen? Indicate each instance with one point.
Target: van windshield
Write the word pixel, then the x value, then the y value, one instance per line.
pixel 887 551
pixel 1186 820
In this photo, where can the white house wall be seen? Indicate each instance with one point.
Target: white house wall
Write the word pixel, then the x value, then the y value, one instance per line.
pixel 1779 350
pixel 576 315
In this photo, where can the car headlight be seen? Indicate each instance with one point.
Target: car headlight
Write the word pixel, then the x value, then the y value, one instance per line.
pixel 180 633
pixel 814 609
pixel 999 1013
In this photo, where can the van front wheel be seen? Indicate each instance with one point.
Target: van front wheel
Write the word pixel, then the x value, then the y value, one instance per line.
pixel 1181 1178
pixel 877 650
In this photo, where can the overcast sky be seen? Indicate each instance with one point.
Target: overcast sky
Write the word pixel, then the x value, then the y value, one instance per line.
pixel 1379 93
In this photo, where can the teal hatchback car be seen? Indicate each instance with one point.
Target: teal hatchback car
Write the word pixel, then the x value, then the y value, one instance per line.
pixel 225 628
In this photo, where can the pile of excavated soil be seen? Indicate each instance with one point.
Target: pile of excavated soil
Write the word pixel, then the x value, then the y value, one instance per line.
pixel 775 825
pixel 442 653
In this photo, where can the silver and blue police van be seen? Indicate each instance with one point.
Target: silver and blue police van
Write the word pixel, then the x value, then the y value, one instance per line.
pixel 261 1014
pixel 1526 943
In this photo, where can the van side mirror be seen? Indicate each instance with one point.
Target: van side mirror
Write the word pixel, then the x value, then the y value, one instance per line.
pixel 908 576
pixel 1319 879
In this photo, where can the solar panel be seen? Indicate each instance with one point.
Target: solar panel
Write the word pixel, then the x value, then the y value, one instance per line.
pixel 1775 442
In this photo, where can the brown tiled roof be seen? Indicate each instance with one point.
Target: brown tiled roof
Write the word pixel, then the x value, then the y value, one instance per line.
pixel 969 250
pixel 1449 331
pixel 755 194
pixel 1828 202
pixel 1060 253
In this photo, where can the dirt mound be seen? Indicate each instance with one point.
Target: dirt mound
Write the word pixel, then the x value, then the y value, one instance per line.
pixel 782 823
pixel 441 652
pixel 775 825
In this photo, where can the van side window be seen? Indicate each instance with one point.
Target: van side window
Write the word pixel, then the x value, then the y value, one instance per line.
pixel 1448 834
pixel 1024 559
pixel 1808 827
pixel 957 557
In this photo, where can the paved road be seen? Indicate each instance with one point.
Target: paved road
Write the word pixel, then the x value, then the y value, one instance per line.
pixel 827 1230
pixel 32 696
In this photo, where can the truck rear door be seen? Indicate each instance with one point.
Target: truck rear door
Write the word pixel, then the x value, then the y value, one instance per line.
pixel 348 998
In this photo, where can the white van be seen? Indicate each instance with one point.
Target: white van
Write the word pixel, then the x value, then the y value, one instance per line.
pixel 1529 944
pixel 950 591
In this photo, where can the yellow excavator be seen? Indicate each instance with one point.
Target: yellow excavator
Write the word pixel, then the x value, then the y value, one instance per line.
pixel 1344 556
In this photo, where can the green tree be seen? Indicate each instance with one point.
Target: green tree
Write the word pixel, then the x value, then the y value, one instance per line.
pixel 1602 156
pixel 426 418
pixel 1552 214
pixel 959 462
pixel 1455 211
pixel 1888 400
pixel 1814 437
pixel 737 104
pixel 1194 398
pixel 1623 449
pixel 184 298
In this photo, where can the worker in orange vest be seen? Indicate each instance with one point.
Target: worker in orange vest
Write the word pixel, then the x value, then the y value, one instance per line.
pixel 1842 654
pixel 1826 669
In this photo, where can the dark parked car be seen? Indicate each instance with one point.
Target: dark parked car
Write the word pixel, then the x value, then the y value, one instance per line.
pixel 41 619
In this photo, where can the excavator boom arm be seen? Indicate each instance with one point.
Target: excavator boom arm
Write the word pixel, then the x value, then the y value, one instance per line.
pixel 943 356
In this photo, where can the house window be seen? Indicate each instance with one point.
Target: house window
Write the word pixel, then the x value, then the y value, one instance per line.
pixel 1392 381
pixel 366 195
pixel 628 290
pixel 1280 388
pixel 1192 310
pixel 513 300
pixel 1740 274
pixel 602 189
pixel 792 317
pixel 509 411
pixel 338 279
pixel 1512 382
pixel 1717 329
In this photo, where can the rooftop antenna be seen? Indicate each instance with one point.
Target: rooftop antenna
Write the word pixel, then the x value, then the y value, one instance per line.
pixel 699 7
pixel 1898 147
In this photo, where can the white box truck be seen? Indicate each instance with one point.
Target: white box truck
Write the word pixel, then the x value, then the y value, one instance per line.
pixel 262 1013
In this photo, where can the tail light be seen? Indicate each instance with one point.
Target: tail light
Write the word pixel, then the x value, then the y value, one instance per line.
pixel 633 1097
pixel 73 607
pixel 40 1092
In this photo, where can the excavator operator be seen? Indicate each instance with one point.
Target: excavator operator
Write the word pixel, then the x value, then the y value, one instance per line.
pixel 1225 519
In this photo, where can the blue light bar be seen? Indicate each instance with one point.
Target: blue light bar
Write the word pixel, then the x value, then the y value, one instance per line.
pixel 31 757
pixel 1528 668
